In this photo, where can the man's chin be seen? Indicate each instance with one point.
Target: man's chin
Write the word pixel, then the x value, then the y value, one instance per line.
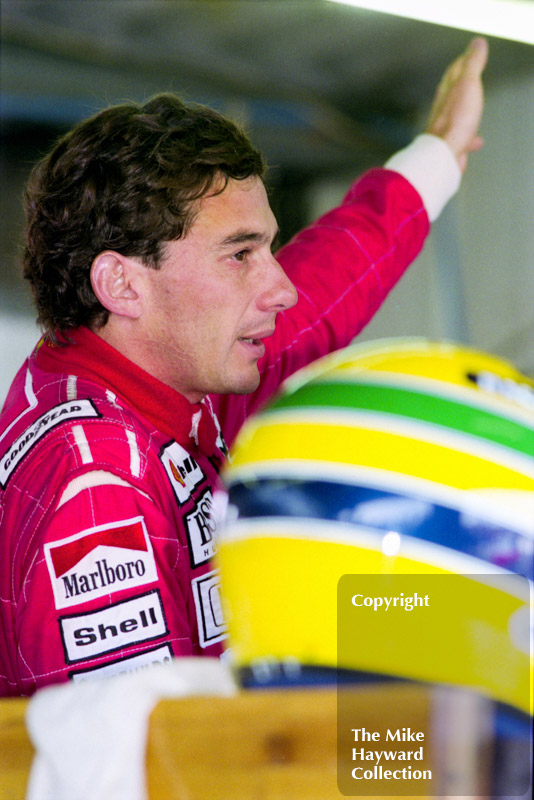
pixel 244 384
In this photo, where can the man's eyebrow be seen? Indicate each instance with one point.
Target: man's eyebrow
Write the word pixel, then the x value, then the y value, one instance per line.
pixel 244 236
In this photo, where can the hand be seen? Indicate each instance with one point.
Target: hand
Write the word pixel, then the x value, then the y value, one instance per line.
pixel 457 108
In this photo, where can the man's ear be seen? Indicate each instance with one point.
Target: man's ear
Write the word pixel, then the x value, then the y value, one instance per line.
pixel 114 281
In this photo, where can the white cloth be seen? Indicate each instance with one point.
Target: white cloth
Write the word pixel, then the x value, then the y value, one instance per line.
pixel 430 166
pixel 90 738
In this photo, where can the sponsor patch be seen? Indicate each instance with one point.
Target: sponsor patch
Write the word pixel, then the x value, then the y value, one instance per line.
pixel 73 409
pixel 200 527
pixel 184 473
pixel 99 561
pixel 206 592
pixel 108 629
pixel 124 666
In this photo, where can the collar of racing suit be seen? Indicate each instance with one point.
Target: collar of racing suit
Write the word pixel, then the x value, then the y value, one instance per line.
pixel 88 356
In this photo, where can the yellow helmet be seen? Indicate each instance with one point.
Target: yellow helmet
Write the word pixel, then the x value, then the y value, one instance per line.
pixel 395 458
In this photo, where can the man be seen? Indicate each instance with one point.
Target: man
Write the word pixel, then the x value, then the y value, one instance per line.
pixel 167 321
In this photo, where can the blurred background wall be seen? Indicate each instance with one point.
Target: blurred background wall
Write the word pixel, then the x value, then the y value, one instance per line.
pixel 326 91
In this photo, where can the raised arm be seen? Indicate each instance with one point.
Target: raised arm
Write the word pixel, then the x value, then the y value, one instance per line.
pixel 457 109
pixel 345 264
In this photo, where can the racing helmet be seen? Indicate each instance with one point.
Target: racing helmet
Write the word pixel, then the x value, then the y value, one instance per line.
pixel 393 458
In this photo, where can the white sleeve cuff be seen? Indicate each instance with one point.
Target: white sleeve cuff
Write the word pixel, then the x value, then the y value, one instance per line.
pixel 430 166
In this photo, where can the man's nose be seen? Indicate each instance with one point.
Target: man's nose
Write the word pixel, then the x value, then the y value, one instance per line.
pixel 279 293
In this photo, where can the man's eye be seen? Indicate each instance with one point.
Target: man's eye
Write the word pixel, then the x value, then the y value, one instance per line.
pixel 241 255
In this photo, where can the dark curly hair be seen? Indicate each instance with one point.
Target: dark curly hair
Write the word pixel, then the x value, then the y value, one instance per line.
pixel 127 180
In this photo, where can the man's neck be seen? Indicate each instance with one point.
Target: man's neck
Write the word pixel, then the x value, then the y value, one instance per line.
pixel 126 336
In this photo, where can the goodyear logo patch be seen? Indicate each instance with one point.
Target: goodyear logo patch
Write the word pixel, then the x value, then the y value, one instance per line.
pixel 79 409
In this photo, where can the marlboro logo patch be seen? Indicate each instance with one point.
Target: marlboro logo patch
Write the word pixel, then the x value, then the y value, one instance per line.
pixel 99 561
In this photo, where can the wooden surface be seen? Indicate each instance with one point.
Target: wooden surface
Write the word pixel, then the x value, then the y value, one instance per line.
pixel 16 751
pixel 257 745
pixel 266 745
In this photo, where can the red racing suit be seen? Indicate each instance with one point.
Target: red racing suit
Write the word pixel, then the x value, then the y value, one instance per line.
pixel 108 476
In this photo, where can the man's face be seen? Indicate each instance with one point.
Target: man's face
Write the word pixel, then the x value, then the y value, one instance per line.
pixel 216 296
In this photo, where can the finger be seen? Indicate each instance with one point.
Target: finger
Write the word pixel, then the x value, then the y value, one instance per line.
pixel 476 144
pixel 448 80
pixel 451 74
pixel 476 57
